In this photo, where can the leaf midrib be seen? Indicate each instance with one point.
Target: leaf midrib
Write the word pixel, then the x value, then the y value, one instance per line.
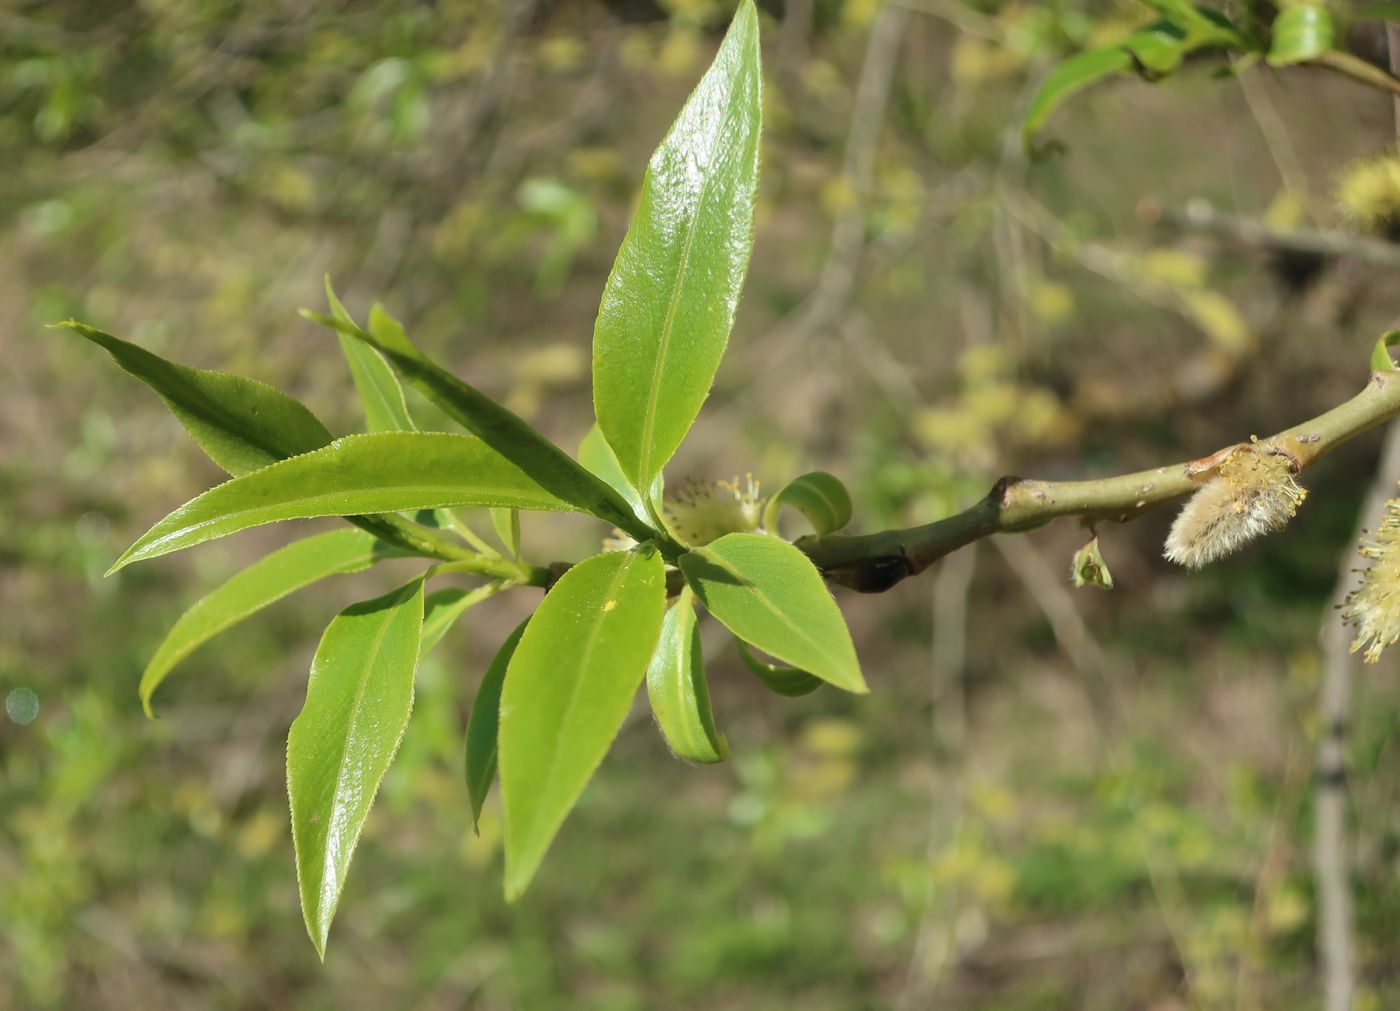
pixel 644 474
pixel 356 706
pixel 767 605
pixel 586 655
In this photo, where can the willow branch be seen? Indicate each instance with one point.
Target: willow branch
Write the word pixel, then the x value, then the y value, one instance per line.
pixel 1359 70
pixel 873 563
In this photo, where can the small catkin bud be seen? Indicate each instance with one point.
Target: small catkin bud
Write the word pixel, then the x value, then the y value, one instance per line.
pixel 1252 493
pixel 1373 608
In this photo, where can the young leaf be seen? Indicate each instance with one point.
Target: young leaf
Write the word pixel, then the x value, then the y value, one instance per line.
pixel 384 472
pixel 780 679
pixel 568 688
pixel 241 423
pixel 442 608
pixel 1301 33
pixel 507 524
pixel 769 593
pixel 501 429
pixel 595 454
pixel 669 303
pixel 252 589
pixel 1380 354
pixel 676 687
pixel 357 705
pixel 380 392
pixel 821 498
pixel 484 722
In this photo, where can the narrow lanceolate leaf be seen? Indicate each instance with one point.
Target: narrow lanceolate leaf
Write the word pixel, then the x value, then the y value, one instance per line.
pixel 384 472
pixel 442 608
pixel 568 688
pixel 769 593
pixel 821 499
pixel 241 423
pixel 357 705
pixel 252 589
pixel 669 303
pixel 779 678
pixel 676 688
pixel 484 723
pixel 379 389
pixel 500 428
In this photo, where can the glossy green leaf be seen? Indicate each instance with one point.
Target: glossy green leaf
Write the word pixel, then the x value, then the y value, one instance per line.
pixel 1380 354
pixel 501 429
pixel 1301 33
pixel 769 593
pixel 779 678
pixel 249 591
pixel 442 608
pixel 507 524
pixel 357 705
pixel 241 423
pixel 484 723
pixel 820 497
pixel 677 690
pixel 669 303
pixel 595 454
pixel 379 389
pixel 383 472
pixel 568 688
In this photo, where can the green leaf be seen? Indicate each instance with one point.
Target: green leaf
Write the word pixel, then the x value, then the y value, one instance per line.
pixel 501 429
pixel 442 608
pixel 781 679
pixel 1380 354
pixel 1070 76
pixel 676 688
pixel 384 472
pixel 821 498
pixel 357 705
pixel 1379 12
pixel 669 303
pixel 507 524
pixel 380 392
pixel 1301 33
pixel 249 591
pixel 769 593
pixel 1157 49
pixel 568 688
pixel 484 723
pixel 241 423
pixel 595 454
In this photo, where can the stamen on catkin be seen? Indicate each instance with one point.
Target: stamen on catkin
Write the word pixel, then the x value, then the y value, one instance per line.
pixel 1253 493
pixel 1373 608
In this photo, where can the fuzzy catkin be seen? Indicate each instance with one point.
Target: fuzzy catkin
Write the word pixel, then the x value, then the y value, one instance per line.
pixel 1373 608
pixel 1253 493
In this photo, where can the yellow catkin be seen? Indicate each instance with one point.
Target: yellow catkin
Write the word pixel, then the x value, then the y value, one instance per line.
pixel 1368 192
pixel 704 511
pixel 1252 493
pixel 1373 608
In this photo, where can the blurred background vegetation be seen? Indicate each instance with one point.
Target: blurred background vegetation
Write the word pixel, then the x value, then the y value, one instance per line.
pixel 1052 799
